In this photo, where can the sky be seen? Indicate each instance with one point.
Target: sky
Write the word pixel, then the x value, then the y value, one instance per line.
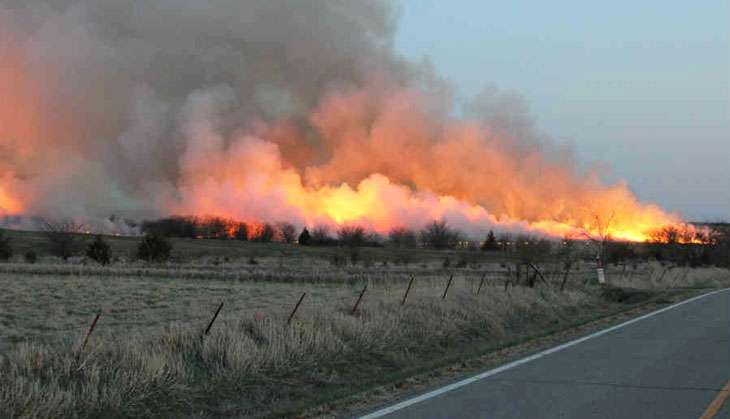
pixel 641 88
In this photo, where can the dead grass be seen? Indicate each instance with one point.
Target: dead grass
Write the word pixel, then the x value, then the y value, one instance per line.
pixel 657 276
pixel 175 369
pixel 149 359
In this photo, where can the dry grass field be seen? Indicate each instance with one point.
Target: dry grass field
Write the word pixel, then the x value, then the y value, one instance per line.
pixel 148 356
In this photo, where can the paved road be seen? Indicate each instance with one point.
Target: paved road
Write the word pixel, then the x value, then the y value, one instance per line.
pixel 669 365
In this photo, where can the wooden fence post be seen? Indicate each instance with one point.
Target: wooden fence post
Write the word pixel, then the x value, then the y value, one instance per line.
pixel 215 316
pixel 357 303
pixel 481 283
pixel 448 284
pixel 405 296
pixel 538 273
pixel 296 307
pixel 91 330
pixel 568 265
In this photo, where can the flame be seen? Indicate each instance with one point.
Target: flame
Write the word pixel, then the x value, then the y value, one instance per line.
pixel 379 204
pixel 381 160
pixel 397 176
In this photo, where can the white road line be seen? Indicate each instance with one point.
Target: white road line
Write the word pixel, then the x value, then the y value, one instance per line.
pixel 410 402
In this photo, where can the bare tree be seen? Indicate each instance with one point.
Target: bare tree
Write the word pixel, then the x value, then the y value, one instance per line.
pixel 63 236
pixel 599 235
pixel 567 254
pixel 321 236
pixel 288 232
pixel 352 236
pixel 439 235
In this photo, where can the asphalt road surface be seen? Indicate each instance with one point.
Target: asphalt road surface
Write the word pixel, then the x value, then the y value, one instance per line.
pixel 674 363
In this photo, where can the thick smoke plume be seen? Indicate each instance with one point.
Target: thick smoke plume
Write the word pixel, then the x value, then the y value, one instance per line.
pixel 268 110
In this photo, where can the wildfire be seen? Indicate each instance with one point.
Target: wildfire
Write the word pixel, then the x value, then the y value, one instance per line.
pixel 371 151
pixel 381 205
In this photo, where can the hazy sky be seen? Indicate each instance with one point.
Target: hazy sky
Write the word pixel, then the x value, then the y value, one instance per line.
pixel 642 86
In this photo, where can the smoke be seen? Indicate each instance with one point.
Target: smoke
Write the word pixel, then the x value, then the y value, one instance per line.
pixel 268 110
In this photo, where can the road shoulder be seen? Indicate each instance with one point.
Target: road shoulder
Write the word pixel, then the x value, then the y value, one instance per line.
pixel 476 359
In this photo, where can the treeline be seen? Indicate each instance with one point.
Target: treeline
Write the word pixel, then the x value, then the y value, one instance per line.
pixel 698 247
pixel 437 234
pixel 67 239
pixel 704 247
pixel 692 247
pixel 203 228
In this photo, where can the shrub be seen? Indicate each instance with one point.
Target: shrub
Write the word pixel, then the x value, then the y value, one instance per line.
pixel 402 238
pixel 321 236
pixel 490 244
pixel 6 250
pixel 265 234
pixel 99 251
pixel 241 232
pixel 154 249
pixel 351 236
pixel 305 239
pixel 30 257
pixel 373 239
pixel 172 227
pixel 213 228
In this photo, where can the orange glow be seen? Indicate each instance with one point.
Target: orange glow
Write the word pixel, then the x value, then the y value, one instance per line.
pixel 399 175
pixel 380 205
pixel 8 204
pixel 380 161
pixel 18 126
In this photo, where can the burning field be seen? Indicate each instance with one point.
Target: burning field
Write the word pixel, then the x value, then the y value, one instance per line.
pixel 265 111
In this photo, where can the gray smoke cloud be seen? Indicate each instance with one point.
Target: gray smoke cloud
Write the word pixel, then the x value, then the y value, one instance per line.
pixel 121 81
pixel 260 110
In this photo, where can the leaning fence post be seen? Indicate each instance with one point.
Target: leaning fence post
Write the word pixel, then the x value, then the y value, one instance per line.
pixel 446 291
pixel 357 303
pixel 481 283
pixel 568 265
pixel 537 272
pixel 215 316
pixel 91 330
pixel 296 307
pixel 405 296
